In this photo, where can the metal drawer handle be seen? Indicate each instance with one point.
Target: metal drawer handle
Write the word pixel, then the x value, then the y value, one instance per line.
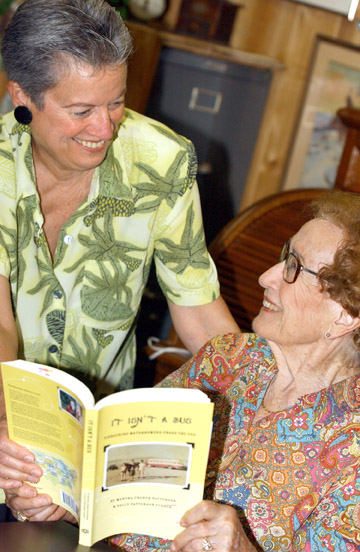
pixel 199 100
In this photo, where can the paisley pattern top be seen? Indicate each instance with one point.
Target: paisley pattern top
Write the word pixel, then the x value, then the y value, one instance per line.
pixel 78 313
pixel 293 476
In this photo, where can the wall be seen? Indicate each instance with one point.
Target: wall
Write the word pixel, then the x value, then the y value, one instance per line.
pixel 284 30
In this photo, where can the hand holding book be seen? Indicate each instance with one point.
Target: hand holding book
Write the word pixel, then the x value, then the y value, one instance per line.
pixel 93 455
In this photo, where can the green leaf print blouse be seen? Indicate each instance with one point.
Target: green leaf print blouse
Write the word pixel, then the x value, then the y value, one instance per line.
pixel 78 312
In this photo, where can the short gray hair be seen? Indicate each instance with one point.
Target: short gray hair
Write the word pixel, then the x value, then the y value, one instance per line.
pixel 43 34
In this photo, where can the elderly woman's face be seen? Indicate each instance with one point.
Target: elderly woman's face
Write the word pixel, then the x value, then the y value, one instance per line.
pixel 79 118
pixel 299 313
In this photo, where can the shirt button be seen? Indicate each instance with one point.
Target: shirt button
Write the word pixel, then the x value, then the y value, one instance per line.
pixel 53 349
pixel 68 239
pixel 58 294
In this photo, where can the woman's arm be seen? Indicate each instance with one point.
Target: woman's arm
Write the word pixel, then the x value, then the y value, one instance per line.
pixel 16 462
pixel 196 325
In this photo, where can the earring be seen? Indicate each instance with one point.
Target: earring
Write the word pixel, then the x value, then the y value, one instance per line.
pixel 23 115
pixel 327 335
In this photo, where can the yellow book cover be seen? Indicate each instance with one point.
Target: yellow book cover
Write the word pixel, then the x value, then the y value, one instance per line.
pixel 134 462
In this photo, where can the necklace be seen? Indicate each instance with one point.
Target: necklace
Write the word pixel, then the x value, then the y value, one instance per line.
pixel 297 402
pixel 263 401
pixel 266 409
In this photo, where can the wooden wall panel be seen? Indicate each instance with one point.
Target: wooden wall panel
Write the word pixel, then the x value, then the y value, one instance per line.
pixel 3 84
pixel 142 67
pixel 285 31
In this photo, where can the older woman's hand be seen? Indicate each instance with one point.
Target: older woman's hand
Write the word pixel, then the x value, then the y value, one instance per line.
pixel 17 464
pixel 216 523
pixel 34 506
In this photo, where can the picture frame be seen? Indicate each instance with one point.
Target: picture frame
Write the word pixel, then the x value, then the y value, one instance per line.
pixel 332 83
pixel 344 7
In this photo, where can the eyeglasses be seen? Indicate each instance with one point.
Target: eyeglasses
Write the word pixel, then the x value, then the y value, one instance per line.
pixel 292 267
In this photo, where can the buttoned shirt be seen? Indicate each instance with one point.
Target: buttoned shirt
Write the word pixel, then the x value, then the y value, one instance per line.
pixel 78 311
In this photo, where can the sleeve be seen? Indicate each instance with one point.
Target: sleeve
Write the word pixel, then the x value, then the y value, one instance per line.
pixel 221 361
pixel 334 524
pixel 8 232
pixel 185 270
pixel 4 258
pixel 138 543
pixel 202 370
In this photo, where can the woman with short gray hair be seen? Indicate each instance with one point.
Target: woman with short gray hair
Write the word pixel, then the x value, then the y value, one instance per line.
pixel 90 194
pixel 44 35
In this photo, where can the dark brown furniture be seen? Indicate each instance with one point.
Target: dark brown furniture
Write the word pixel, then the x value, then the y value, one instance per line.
pixel 247 246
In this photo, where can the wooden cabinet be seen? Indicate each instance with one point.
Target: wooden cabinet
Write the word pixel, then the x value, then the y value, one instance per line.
pixel 142 66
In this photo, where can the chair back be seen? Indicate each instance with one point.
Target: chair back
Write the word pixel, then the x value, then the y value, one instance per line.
pixel 251 243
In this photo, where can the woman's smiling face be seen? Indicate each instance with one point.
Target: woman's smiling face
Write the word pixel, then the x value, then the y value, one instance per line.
pixel 80 116
pixel 300 313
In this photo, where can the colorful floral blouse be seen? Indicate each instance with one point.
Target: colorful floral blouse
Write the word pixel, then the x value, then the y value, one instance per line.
pixel 293 476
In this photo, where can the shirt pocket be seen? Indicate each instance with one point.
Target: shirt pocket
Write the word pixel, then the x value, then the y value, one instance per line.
pixel 110 294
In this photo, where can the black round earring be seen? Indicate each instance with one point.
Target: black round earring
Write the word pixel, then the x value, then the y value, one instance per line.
pixel 23 115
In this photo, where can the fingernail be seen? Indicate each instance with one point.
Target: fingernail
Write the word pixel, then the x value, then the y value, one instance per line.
pixel 45 501
pixel 16 484
pixel 29 459
pixel 35 473
pixel 32 479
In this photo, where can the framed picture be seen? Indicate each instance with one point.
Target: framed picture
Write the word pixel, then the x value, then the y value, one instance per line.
pixel 345 7
pixel 333 83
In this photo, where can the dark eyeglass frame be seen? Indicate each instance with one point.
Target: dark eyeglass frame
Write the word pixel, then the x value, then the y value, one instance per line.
pixel 287 255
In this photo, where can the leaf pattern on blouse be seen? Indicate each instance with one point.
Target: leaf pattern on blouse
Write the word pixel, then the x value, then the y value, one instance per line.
pixel 87 298
pixel 85 357
pixel 55 321
pixel 104 246
pixel 191 251
pixel 107 297
pixel 165 187
pixel 47 285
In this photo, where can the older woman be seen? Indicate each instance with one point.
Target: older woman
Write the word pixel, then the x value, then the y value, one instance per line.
pixel 90 193
pixel 284 469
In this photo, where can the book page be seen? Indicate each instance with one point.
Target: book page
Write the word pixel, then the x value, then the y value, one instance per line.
pixel 168 394
pixel 47 417
pixel 150 464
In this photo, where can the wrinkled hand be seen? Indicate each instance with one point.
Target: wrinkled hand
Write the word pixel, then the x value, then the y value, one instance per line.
pixel 217 523
pixel 17 464
pixel 36 507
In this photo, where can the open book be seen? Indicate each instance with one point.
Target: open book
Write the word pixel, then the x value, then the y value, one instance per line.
pixel 132 463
